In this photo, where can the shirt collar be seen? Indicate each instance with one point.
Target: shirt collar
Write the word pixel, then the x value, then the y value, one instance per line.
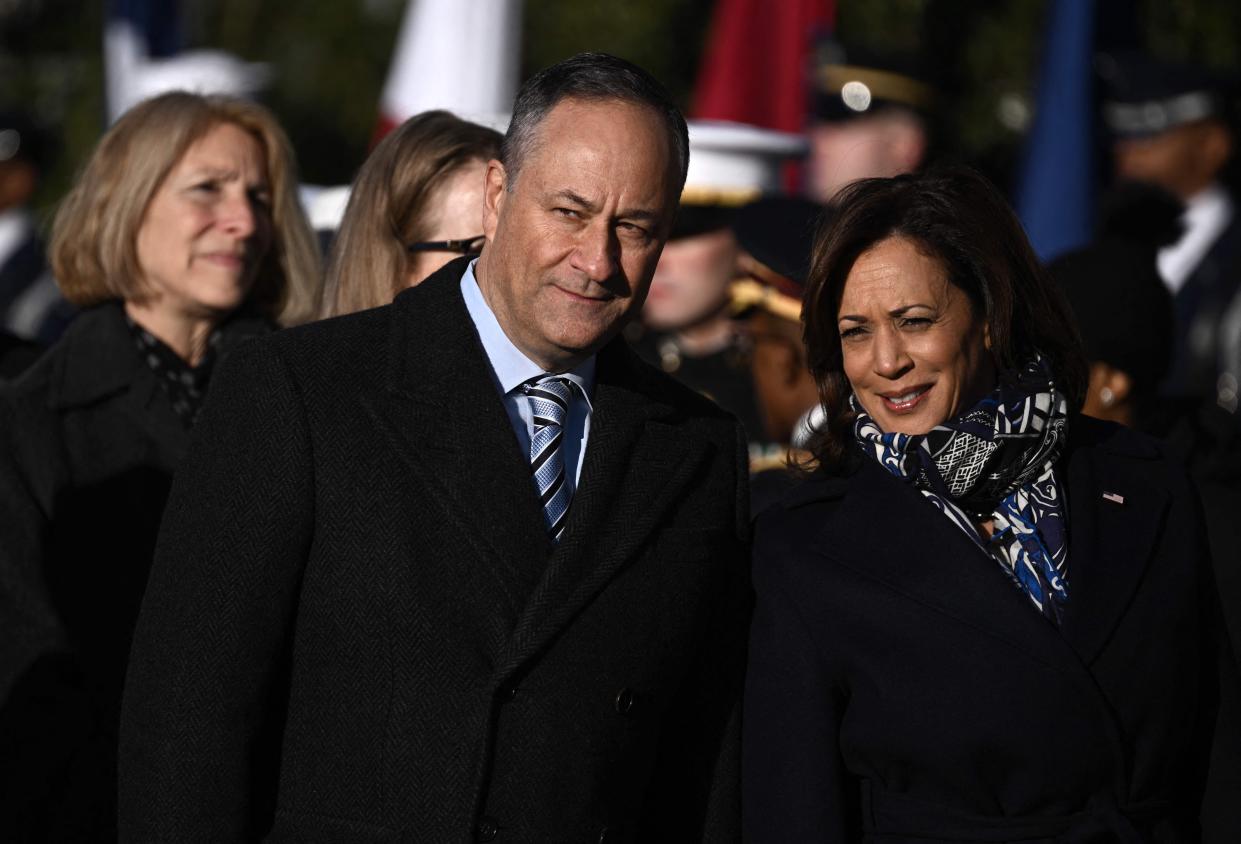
pixel 1209 204
pixel 1207 215
pixel 511 367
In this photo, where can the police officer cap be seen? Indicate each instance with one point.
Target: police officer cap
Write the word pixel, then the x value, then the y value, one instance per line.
pixel 853 81
pixel 1144 96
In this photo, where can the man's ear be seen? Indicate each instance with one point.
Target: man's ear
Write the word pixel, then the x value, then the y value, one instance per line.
pixel 906 143
pixel 495 190
pixel 1216 147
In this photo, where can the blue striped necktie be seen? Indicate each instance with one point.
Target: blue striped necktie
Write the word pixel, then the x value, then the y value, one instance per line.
pixel 549 402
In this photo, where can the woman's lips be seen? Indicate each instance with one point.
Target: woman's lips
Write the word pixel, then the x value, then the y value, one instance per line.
pixel 225 260
pixel 907 401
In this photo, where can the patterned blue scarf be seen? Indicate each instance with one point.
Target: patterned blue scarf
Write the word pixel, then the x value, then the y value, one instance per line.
pixel 995 461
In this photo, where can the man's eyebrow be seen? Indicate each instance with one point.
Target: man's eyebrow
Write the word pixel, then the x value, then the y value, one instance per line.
pixel 644 214
pixel 575 198
pixel 572 197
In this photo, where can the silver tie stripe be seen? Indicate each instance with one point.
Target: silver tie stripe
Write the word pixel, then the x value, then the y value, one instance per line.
pixel 549 401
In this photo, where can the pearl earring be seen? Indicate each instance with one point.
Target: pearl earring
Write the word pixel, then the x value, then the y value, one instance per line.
pixel 1107 396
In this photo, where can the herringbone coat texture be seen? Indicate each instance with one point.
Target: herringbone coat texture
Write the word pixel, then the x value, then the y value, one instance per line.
pixel 357 630
pixel 88 445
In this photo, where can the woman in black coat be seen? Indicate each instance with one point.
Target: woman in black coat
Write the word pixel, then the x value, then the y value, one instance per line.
pixel 182 237
pixel 983 617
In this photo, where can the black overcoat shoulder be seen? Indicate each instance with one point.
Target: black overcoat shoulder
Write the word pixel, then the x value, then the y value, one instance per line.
pixel 902 688
pixel 356 629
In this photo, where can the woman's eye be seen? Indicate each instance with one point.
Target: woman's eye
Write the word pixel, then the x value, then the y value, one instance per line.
pixel 206 187
pixel 852 333
pixel 916 322
pixel 261 198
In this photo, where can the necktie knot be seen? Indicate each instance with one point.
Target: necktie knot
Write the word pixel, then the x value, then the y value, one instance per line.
pixel 549 400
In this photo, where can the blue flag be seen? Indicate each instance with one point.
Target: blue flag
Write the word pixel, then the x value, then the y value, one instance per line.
pixel 1056 187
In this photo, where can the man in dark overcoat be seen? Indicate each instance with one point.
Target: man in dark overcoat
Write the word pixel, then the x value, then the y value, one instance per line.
pixel 461 568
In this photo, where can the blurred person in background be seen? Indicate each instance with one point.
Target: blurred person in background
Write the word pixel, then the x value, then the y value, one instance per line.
pixel 30 304
pixel 983 616
pixel 869 117
pixel 416 204
pixel 689 330
pixel 774 235
pixel 1125 315
pixel 181 238
pixel 1173 126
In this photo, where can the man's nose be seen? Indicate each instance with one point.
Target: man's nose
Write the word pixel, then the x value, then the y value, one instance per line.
pixel 595 255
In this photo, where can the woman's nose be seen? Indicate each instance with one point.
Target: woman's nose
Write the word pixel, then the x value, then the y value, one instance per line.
pixel 237 215
pixel 891 359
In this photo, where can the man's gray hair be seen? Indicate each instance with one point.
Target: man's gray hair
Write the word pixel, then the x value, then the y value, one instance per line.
pixel 589 76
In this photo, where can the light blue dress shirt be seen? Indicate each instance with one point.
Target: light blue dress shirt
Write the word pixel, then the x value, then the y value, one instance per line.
pixel 510 368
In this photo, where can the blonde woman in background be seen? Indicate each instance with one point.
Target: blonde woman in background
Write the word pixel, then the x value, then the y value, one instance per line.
pixel 182 237
pixel 416 204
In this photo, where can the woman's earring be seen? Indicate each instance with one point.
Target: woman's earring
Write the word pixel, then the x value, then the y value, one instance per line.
pixel 1107 396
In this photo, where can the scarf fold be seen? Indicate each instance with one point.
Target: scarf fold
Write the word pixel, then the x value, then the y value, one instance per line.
pixel 995 461
pixel 185 385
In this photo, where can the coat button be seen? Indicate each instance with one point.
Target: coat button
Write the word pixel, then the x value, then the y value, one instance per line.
pixel 488 829
pixel 625 700
pixel 507 693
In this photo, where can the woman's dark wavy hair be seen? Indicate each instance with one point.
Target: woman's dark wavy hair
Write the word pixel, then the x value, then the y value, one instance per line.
pixel 956 216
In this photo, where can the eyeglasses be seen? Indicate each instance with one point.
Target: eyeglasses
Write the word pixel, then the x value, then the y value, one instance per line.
pixel 466 246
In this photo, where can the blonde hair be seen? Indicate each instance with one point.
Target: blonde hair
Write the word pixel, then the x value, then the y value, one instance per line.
pixel 94 250
pixel 390 203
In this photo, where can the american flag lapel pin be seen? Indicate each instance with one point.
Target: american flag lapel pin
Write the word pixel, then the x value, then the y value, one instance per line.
pixel 1114 497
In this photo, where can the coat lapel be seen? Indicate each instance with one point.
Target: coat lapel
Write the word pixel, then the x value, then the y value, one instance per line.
pixel 444 418
pixel 1114 519
pixel 895 535
pixel 638 461
pixel 1113 522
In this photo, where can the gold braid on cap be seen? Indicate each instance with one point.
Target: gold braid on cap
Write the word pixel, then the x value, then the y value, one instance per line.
pixel 883 84
pixel 747 293
pixel 726 197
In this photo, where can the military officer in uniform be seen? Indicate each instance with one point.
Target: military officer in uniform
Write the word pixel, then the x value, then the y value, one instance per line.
pixel 687 327
pixel 775 235
pixel 870 116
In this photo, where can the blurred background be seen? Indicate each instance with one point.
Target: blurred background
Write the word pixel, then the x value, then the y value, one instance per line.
pixel 327 60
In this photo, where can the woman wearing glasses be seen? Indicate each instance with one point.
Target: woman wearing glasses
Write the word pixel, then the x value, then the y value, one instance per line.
pixel 416 204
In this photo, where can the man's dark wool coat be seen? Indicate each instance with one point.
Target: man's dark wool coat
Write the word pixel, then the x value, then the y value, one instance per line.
pixel 357 630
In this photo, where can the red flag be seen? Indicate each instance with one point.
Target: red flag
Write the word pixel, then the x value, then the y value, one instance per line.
pixel 756 67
